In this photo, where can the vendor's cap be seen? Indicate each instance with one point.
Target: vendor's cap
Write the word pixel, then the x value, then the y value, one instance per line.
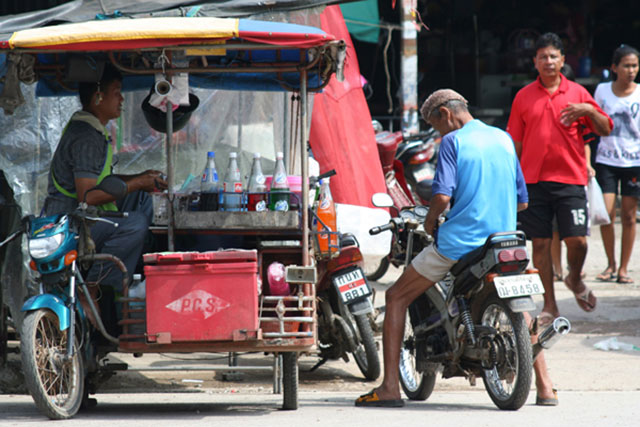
pixel 437 99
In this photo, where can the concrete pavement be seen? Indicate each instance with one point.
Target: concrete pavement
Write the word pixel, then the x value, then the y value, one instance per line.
pixel 595 386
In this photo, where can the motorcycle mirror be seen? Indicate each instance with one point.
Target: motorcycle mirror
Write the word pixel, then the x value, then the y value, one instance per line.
pixel 113 185
pixel 381 200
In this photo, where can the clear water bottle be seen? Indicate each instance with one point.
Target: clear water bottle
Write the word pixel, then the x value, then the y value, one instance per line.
pixel 279 193
pixel 257 199
pixel 209 186
pixel 232 199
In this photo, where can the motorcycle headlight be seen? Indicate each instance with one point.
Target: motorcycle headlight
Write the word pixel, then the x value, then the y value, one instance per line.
pixel 45 246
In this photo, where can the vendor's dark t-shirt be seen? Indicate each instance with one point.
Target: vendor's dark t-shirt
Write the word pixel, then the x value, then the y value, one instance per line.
pixel 81 153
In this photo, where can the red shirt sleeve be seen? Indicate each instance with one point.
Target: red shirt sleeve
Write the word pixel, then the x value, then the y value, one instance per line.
pixel 587 121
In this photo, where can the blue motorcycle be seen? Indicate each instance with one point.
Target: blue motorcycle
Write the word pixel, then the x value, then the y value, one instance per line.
pixel 57 339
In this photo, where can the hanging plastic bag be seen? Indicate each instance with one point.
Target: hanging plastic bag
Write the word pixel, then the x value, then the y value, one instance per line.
pixel 597 209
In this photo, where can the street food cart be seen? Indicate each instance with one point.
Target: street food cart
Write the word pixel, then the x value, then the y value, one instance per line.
pixel 213 296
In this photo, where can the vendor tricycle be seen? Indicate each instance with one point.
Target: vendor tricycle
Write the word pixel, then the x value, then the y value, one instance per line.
pixel 206 285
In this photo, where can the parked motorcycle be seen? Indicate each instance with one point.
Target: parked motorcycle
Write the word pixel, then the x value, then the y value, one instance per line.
pixel 417 154
pixel 470 324
pixel 345 308
pixel 59 346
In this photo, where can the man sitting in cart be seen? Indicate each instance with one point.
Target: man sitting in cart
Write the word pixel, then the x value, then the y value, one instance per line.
pixel 82 159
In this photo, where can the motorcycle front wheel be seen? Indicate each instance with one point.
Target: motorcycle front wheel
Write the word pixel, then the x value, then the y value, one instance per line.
pixel 366 354
pixel 509 381
pixel 416 385
pixel 380 270
pixel 55 382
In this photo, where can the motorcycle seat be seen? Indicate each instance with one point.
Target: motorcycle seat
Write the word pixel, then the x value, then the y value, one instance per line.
pixel 469 259
pixel 348 239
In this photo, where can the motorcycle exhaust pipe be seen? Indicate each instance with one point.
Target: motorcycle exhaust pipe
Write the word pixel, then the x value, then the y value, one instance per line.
pixel 552 333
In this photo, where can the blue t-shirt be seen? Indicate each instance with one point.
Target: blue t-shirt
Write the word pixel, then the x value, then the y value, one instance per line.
pixel 478 168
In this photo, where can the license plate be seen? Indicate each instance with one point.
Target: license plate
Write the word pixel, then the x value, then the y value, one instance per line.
pixel 352 285
pixel 518 285
pixel 422 174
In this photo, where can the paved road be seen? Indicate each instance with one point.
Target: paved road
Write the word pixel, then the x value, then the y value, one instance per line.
pixel 595 387
pixel 449 408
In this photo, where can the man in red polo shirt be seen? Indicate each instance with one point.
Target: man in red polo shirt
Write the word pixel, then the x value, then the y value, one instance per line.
pixel 547 121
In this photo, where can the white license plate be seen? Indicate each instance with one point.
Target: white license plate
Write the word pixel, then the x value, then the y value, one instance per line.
pixel 422 174
pixel 352 285
pixel 518 285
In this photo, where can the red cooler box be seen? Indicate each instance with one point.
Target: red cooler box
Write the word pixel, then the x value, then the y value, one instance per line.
pixel 201 296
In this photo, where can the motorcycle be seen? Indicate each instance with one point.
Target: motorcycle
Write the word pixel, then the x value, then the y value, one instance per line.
pixel 59 345
pixel 345 307
pixel 409 166
pixel 417 154
pixel 470 324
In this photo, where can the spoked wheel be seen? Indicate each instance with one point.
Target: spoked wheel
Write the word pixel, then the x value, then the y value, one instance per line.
pixel 290 380
pixel 509 380
pixel 376 272
pixel 416 385
pixel 366 354
pixel 55 383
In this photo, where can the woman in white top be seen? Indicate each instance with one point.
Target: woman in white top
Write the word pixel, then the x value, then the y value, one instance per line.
pixel 618 158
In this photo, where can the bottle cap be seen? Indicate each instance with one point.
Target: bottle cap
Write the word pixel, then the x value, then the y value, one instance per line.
pixel 211 154
pixel 256 155
pixel 233 154
pixel 279 155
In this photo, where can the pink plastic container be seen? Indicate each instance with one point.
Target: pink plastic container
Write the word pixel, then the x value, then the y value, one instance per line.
pixel 295 186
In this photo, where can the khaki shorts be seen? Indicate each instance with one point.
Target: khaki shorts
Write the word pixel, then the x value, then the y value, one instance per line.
pixel 432 264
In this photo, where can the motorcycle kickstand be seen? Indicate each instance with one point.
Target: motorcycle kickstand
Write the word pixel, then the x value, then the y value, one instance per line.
pixel 320 363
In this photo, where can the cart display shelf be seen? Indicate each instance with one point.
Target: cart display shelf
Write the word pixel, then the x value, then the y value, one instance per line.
pixel 219 220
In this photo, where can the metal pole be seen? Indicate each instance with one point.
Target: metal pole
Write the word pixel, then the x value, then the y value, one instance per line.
pixel 409 69
pixel 169 137
pixel 304 161
pixel 477 59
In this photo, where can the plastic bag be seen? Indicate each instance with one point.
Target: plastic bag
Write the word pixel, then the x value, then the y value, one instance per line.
pixel 597 209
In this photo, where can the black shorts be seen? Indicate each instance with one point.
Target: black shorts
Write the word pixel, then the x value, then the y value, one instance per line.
pixel 612 177
pixel 567 202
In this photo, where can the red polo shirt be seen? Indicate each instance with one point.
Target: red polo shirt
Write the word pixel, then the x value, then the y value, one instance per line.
pixel 550 150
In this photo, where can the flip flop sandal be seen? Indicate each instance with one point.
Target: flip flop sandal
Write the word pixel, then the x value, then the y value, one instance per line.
pixel 606 276
pixel 584 298
pixel 545 319
pixel 557 277
pixel 371 400
pixel 625 280
pixel 548 401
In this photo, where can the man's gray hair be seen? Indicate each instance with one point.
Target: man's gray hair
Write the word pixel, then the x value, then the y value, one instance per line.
pixel 443 98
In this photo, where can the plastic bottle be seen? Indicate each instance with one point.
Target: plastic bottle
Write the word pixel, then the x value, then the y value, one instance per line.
pixel 326 212
pixel 276 278
pixel 279 193
pixel 256 187
pixel 209 186
pixel 232 199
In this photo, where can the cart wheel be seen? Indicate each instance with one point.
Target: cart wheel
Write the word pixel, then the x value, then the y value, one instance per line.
pixel 290 380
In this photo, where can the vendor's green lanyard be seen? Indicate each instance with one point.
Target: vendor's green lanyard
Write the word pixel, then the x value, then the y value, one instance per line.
pixel 106 170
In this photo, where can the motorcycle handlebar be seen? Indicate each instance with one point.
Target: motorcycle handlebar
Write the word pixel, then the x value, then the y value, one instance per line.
pixel 113 214
pixel 381 228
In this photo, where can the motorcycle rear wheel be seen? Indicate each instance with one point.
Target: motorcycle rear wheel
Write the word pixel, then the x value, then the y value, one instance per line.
pixel 56 384
pixel 366 354
pixel 509 382
pixel 416 385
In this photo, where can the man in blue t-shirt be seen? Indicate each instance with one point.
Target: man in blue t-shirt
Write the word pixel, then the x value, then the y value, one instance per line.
pixel 479 177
